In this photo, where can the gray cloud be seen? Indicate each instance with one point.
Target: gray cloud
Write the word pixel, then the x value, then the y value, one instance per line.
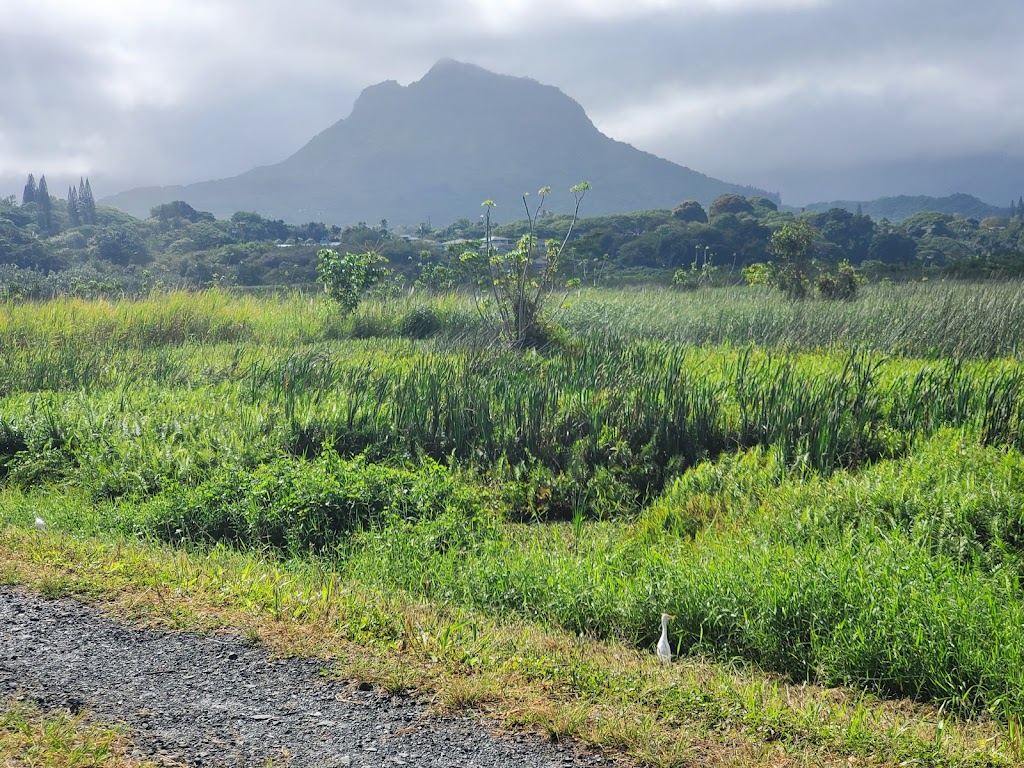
pixel 758 91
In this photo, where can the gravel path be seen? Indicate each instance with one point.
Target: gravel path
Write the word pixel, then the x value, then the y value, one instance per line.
pixel 210 701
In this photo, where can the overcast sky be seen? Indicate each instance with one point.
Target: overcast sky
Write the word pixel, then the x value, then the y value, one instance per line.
pixel 763 92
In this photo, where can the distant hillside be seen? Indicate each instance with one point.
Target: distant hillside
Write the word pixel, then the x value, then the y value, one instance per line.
pixel 904 206
pixel 994 176
pixel 437 148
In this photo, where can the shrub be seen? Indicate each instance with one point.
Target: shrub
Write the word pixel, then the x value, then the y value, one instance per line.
pixel 346 276
pixel 294 505
pixel 420 323
pixel 841 284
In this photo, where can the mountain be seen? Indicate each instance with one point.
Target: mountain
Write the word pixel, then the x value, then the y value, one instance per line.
pixel 903 206
pixel 435 149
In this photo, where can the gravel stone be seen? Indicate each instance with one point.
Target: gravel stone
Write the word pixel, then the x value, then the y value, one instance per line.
pixel 208 700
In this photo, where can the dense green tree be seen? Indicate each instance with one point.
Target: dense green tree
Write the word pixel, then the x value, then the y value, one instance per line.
pixel 763 205
pixel 313 230
pixel 90 202
pixel 22 249
pixel 463 228
pixel 669 246
pixel 842 284
pixel 730 204
pixel 121 245
pixel 192 248
pixel 740 239
pixel 9 210
pixel 944 250
pixel 890 246
pixel 1020 207
pixel 596 244
pixel 996 222
pixel 200 236
pixel 793 247
pixel 177 214
pixel 850 233
pixel 690 210
pixel 250 227
pixel 928 223
pixel 29 194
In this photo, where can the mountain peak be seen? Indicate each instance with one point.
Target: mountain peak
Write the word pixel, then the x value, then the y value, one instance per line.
pixel 448 66
pixel 435 148
pixel 449 75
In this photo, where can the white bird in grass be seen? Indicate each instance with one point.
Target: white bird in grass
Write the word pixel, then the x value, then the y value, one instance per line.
pixel 40 524
pixel 664 649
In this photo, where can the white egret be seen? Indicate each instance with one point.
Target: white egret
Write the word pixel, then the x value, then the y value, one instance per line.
pixel 664 649
pixel 40 524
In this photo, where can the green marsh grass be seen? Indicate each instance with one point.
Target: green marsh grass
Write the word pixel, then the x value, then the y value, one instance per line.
pixel 933 320
pixel 829 493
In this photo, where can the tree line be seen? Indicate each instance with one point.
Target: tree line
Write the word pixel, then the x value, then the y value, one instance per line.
pixel 57 245
pixel 81 205
pixel 735 232
pixel 73 246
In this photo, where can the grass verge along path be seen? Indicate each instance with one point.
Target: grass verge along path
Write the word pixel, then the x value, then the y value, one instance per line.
pixel 610 697
pixel 30 737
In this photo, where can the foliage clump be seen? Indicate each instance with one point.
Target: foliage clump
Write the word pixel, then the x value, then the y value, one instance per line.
pixel 690 210
pixel 841 284
pixel 730 203
pixel 793 246
pixel 298 505
pixel 347 276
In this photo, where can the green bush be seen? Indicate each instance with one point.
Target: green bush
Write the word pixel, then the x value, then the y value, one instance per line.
pixel 839 285
pixel 421 322
pixel 294 505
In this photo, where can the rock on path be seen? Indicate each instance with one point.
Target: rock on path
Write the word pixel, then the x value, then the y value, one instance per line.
pixel 210 701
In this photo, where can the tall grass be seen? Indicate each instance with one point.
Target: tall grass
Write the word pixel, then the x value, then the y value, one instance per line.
pixel 778 574
pixel 931 320
pixel 786 479
pixel 934 320
pixel 214 316
pixel 618 419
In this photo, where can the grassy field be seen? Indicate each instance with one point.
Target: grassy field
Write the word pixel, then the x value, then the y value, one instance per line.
pixel 827 496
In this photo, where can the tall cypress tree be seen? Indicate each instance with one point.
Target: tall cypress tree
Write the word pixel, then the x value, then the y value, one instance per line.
pixel 86 202
pixel 73 213
pixel 1020 207
pixel 44 213
pixel 29 195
